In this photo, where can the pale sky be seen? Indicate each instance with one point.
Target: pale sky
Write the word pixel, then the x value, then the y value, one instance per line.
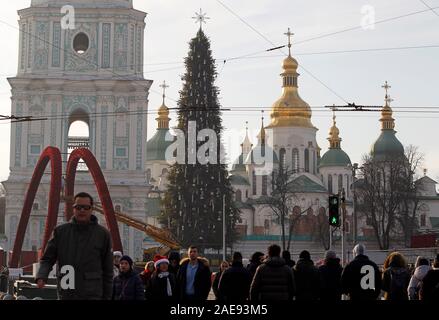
pixel 254 83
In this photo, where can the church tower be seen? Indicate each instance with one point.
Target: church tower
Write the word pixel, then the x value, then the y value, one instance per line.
pixel 84 77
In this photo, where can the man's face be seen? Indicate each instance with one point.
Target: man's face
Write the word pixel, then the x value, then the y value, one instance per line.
pixel 124 266
pixel 82 210
pixel 116 260
pixel 193 254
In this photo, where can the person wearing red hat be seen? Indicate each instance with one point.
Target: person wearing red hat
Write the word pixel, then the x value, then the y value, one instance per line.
pixel 163 283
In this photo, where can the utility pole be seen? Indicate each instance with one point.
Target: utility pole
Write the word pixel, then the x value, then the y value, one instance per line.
pixel 224 227
pixel 354 196
pixel 343 217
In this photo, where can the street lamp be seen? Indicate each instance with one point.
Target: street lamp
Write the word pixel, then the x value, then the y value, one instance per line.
pixel 354 169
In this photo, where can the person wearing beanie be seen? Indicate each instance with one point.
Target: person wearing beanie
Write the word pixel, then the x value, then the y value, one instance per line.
pixel 352 275
pixel 286 255
pixel 307 278
pixel 116 259
pixel 163 286
pixel 330 277
pixel 430 283
pixel 127 285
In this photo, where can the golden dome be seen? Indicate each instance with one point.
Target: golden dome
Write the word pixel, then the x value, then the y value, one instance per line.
pixel 334 135
pixel 290 110
pixel 163 118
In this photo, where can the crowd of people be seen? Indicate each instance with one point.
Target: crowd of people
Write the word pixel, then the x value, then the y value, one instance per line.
pixel 101 273
pixel 275 277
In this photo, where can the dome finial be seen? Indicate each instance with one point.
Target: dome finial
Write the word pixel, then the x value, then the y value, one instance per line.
pixel 334 134
pixel 289 34
pixel 261 135
pixel 246 145
pixel 387 121
pixel 163 118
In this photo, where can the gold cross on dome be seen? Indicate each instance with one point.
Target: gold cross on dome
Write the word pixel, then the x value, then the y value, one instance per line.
pixel 387 99
pixel 289 34
pixel 200 17
pixel 164 86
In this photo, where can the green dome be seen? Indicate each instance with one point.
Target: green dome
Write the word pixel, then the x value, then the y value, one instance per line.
pixel 334 158
pixel 238 180
pixel 387 146
pixel 238 164
pixel 157 145
pixel 259 151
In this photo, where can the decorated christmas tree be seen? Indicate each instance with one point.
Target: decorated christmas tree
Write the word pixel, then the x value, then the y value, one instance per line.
pixel 194 201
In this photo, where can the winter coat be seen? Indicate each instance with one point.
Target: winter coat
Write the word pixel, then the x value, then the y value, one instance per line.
pixel 234 285
pixel 128 286
pixel 430 286
pixel 330 280
pixel 395 283
pixel 252 266
pixel 158 288
pixel 416 281
pixel 351 279
pixel 87 248
pixel 273 281
pixel 202 283
pixel 307 280
pixel 215 284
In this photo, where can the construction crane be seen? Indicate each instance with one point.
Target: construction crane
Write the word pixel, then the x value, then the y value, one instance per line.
pixel 162 236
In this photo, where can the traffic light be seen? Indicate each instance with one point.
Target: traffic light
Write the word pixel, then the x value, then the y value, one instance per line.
pixel 334 216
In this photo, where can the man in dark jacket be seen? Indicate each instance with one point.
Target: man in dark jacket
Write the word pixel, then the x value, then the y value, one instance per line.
pixel 355 271
pixel 307 278
pixel 330 278
pixel 273 280
pixel 85 246
pixel 127 285
pixel 194 277
pixel 235 282
pixel 286 255
pixel 430 283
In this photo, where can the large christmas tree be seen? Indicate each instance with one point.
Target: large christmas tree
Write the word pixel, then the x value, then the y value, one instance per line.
pixel 193 202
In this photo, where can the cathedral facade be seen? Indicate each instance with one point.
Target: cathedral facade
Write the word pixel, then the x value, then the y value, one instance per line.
pixel 90 73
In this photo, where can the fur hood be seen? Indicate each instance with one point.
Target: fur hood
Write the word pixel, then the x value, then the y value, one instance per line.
pixel 204 261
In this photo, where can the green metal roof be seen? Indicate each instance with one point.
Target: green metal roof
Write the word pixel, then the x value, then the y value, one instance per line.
pixel 387 146
pixel 157 145
pixel 434 222
pixel 242 205
pixel 238 180
pixel 303 184
pixel 334 158
pixel 239 165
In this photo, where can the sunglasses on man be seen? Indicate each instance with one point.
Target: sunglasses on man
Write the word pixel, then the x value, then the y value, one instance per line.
pixel 82 207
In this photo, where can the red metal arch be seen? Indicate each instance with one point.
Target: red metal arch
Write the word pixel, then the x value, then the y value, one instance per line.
pixel 54 156
pixel 101 186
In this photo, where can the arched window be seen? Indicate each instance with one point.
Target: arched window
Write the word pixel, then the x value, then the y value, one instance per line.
pixel 348 186
pixel 314 164
pixel 254 182
pixel 330 183
pixel 307 160
pixel 264 184
pixel 238 195
pixel 295 163
pixel 423 220
pixel 340 182
pixel 282 157
pixel 78 134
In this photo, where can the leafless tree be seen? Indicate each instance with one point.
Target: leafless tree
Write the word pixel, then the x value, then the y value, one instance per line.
pixel 388 195
pixel 282 201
